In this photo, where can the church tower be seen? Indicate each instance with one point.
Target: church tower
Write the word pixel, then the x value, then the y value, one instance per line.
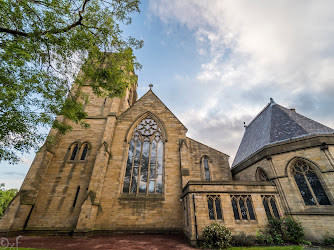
pixel 70 171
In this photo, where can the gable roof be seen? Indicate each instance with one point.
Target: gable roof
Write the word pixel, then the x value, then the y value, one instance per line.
pixel 207 146
pixel 275 123
pixel 146 95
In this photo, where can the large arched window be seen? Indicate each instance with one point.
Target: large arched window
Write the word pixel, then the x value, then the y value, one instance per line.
pixel 309 184
pixel 144 167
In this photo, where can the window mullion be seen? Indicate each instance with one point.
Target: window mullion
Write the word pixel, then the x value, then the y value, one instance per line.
pixel 133 160
pixel 156 168
pixel 311 190
pixel 141 152
pixel 148 170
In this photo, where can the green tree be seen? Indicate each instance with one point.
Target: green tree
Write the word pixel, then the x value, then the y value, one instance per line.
pixel 43 44
pixel 5 197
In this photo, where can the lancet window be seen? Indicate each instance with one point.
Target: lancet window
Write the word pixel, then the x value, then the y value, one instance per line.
pixel 78 151
pixel 144 167
pixel 309 184
pixel 242 207
pixel 84 151
pixel 206 168
pixel 74 152
pixel 214 207
pixel 269 203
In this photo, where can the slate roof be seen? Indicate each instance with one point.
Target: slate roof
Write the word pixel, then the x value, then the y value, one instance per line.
pixel 274 124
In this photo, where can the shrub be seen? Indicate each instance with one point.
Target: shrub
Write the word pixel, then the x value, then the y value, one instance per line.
pixel 276 230
pixel 282 230
pixel 265 238
pixel 293 230
pixel 243 240
pixel 216 236
pixel 328 239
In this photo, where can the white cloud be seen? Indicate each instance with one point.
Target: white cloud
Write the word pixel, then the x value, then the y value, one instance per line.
pixel 257 50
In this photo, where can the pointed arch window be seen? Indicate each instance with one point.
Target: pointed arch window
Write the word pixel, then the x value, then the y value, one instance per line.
pixel 270 207
pixel 242 207
pixel 74 152
pixel 144 167
pixel 84 152
pixel 206 168
pixel 214 207
pixel 78 152
pixel 309 184
pixel 261 175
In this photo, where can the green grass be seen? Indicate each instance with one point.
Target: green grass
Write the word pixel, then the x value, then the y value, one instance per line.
pixel 269 248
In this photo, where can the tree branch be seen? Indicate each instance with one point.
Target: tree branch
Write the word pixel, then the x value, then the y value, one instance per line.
pixel 52 31
pixel 13 32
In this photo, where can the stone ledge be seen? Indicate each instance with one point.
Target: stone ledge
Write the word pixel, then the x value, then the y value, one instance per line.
pixel 142 198
pixel 228 192
pixel 96 117
pixel 225 183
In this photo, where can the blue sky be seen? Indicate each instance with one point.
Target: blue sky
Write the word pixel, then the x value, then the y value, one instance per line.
pixel 216 63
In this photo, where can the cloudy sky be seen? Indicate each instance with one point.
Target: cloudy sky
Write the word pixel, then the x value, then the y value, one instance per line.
pixel 216 63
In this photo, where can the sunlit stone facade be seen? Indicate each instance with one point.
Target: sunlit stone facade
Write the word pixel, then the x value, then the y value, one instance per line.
pixel 135 170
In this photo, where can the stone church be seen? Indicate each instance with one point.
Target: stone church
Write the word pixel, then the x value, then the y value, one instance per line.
pixel 135 170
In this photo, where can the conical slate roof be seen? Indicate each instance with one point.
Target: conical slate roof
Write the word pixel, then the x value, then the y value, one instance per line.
pixel 274 124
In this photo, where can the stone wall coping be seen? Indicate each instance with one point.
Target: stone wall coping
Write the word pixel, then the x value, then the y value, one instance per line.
pixel 323 210
pixel 309 141
pixel 208 146
pixel 96 117
pixel 225 183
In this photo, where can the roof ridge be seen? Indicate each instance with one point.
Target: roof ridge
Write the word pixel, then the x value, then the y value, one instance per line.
pixel 151 91
pixel 290 113
pixel 269 104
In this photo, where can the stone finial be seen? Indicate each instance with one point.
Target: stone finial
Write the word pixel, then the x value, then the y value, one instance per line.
pixel 272 100
pixel 151 86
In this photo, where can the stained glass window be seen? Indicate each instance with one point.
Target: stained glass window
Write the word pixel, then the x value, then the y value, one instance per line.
pixel 144 167
pixel 309 184
pixel 214 207
pixel 235 208
pixel 210 208
pixel 270 206
pixel 242 207
pixel 206 169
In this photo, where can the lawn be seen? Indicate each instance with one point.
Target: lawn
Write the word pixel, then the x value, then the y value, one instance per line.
pixel 269 248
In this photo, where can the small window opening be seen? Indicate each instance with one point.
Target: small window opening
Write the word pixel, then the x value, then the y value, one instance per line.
pixel 74 152
pixel 76 196
pixel 84 153
pixel 206 169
